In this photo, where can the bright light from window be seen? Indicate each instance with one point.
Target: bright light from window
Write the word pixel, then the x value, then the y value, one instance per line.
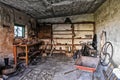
pixel 18 31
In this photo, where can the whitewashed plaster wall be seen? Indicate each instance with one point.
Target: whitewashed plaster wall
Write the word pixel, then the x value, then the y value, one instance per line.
pixel 107 18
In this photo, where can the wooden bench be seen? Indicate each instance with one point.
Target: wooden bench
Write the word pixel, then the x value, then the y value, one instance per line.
pixel 26 47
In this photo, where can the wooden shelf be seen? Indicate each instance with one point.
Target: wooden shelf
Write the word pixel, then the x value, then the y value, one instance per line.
pixel 61 44
pixel 62 30
pixel 82 38
pixel 45 38
pixel 62 34
pixel 83 30
pixel 77 44
pixel 65 44
pixel 62 38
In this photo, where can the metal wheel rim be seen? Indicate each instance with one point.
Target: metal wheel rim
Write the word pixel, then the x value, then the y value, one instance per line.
pixel 104 53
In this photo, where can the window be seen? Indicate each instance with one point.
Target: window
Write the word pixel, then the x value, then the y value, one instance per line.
pixel 19 31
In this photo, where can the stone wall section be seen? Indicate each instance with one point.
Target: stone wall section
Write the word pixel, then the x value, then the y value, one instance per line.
pixel 9 17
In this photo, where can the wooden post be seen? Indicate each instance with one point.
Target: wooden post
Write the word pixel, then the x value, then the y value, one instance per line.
pixel 51 36
pixel 72 26
pixel 94 28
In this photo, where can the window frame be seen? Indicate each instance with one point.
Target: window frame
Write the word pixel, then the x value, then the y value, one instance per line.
pixel 23 30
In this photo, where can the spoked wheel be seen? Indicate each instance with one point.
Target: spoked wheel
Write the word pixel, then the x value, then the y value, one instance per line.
pixel 106 54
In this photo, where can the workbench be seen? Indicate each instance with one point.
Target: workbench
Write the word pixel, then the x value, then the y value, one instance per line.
pixel 26 46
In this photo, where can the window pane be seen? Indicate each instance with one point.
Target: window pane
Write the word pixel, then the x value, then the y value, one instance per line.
pixel 18 31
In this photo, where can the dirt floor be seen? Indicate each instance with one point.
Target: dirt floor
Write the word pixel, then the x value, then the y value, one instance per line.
pixel 54 68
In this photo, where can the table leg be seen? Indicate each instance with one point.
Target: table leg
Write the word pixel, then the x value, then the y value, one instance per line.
pixel 15 54
pixel 26 55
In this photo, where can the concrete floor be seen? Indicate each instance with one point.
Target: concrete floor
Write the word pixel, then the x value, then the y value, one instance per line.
pixel 54 68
